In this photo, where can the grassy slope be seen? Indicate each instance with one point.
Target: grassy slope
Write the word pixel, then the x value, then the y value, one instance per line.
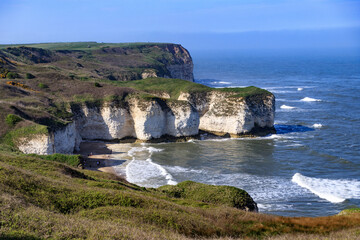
pixel 42 198
pixel 176 86
pixel 79 46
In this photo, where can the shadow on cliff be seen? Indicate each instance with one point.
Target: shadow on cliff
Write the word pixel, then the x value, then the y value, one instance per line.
pixel 283 129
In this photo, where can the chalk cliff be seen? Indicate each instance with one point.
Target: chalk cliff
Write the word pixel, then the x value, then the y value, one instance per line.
pixel 145 119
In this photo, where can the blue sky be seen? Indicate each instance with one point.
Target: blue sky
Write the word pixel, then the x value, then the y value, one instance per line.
pixel 196 23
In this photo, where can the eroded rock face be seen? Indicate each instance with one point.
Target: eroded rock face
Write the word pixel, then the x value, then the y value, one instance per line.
pixel 155 119
pixel 219 112
pixel 182 71
pixel 213 111
pixel 39 144
pixel 106 123
pixel 65 140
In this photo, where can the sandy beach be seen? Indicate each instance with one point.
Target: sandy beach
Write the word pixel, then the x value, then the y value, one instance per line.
pixel 105 157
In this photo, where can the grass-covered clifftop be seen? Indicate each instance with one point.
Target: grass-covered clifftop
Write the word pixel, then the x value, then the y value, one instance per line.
pixel 42 198
pixel 91 60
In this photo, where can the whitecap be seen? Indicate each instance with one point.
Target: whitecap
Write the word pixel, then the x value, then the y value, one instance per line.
pixel 334 191
pixel 317 125
pixel 300 89
pixel 142 172
pixel 286 107
pixel 308 99
pixel 222 82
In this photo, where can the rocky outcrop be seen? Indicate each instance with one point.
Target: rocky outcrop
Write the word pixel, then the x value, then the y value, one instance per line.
pixel 157 118
pixel 211 111
pixel 65 140
pixel 145 119
pixel 219 112
pixel 180 64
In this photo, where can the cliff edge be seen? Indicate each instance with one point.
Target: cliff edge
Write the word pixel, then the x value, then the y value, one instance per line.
pixel 46 110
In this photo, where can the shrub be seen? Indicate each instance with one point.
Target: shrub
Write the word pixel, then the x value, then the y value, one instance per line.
pixel 42 85
pixel 29 76
pixel 96 84
pixel 12 119
pixel 12 75
pixel 72 160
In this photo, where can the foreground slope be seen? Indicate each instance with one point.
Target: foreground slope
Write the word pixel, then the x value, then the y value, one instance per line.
pixel 42 198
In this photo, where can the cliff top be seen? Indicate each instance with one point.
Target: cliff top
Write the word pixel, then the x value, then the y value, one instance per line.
pixel 84 46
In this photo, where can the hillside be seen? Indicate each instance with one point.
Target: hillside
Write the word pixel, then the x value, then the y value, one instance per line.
pixel 42 198
pixel 54 96
pixel 91 60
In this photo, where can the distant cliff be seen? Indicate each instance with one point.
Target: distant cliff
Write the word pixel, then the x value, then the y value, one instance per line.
pixel 116 62
pixel 53 96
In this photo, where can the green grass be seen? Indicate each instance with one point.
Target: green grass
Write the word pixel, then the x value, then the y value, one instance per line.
pixel 72 160
pixel 28 132
pixel 219 195
pixel 350 211
pixel 244 92
pixel 42 197
pixel 84 46
pixel 176 86
pixel 11 120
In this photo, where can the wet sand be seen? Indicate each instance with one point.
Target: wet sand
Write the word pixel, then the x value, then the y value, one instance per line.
pixel 105 157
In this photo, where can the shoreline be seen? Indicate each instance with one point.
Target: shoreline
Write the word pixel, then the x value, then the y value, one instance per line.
pixel 100 156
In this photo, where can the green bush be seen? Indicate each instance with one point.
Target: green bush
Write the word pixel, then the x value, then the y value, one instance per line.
pixel 29 76
pixel 12 119
pixel 42 85
pixel 72 160
pixel 12 75
pixel 96 84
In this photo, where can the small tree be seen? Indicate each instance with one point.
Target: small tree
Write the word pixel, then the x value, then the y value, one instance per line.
pixel 96 84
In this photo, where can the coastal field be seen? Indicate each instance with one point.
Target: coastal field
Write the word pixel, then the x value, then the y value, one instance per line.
pixel 49 197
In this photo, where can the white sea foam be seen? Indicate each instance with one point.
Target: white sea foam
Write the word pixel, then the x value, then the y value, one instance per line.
pixel 334 191
pixel 308 99
pixel 142 172
pixel 317 125
pixel 223 82
pixel 300 89
pixel 286 107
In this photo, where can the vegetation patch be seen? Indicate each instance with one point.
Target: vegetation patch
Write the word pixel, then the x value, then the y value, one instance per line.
pixel 13 136
pixel 29 76
pixel 43 85
pixel 350 211
pixel 20 85
pixel 219 195
pixel 12 75
pixel 12 119
pixel 72 160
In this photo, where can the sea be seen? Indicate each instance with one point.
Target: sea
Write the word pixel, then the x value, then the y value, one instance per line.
pixel 310 167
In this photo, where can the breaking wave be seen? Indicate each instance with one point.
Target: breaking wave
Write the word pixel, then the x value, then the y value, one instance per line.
pixel 143 171
pixel 334 191
pixel 308 99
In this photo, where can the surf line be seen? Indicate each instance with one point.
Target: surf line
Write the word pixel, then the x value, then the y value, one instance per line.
pixel 169 178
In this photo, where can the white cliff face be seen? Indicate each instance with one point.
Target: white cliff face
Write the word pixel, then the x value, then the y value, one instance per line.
pixel 182 119
pixel 221 113
pixel 213 111
pixel 65 140
pixel 153 120
pixel 107 123
pixel 39 144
